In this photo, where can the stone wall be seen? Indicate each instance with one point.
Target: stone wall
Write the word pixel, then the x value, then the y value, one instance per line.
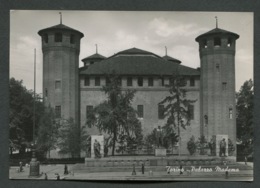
pixel 149 97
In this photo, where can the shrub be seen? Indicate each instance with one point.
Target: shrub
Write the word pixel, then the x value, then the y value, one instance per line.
pixel 202 145
pixel 191 145
pixel 231 147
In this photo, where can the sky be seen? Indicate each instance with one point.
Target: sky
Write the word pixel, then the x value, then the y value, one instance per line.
pixel 114 31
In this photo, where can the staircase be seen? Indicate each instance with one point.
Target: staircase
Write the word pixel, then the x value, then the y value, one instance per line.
pixel 151 163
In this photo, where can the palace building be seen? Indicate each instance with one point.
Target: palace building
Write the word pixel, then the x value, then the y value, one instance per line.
pixel 74 92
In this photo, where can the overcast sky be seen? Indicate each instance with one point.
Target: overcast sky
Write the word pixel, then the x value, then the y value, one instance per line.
pixel 114 31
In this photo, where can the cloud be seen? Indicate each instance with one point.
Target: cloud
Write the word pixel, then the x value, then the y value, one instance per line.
pixel 126 38
pixel 169 28
pixel 22 60
pixel 26 42
pixel 162 27
pixel 244 66
pixel 187 54
pixel 244 56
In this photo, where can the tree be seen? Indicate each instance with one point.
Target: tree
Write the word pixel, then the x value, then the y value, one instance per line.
pixel 176 107
pixel 231 147
pixel 71 138
pixel 169 139
pixel 245 116
pixel 150 140
pixel 21 114
pixel 202 144
pixel 47 131
pixel 191 145
pixel 115 116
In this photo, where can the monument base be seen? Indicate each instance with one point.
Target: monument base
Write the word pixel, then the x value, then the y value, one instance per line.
pixel 34 168
pixel 160 152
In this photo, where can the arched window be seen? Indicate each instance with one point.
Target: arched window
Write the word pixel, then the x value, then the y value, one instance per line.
pixel 230 113
pixel 140 81
pixel 217 42
pixel 97 81
pixel 217 67
pixel 150 81
pixel 140 111
pixel 86 81
pixel 58 37
pixel 45 38
pixel 129 81
pixel 72 39
pixel 162 81
pixel 160 111
pixel 229 42
pixel 224 86
pixel 204 44
pixel 206 120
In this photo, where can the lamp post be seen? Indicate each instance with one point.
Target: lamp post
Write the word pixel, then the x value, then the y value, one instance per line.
pixel 34 164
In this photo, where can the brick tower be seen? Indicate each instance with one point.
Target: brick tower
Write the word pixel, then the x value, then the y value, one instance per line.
pixel 217 83
pixel 61 48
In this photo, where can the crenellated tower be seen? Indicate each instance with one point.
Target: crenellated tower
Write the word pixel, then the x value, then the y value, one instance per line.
pixel 217 50
pixel 61 48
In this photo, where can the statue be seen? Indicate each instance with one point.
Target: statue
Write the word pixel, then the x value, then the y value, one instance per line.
pixel 159 137
pixel 97 149
pixel 212 147
pixel 223 145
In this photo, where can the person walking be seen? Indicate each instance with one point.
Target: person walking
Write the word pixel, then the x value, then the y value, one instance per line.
pixel 66 172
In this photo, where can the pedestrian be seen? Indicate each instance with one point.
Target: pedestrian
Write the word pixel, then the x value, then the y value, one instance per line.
pixel 57 176
pixel 20 166
pixel 226 174
pixel 142 168
pixel 45 176
pixel 66 172
pixel 133 172
pixel 181 170
pixel 245 160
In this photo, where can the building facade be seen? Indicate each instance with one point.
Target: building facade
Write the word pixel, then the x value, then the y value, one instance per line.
pixel 73 92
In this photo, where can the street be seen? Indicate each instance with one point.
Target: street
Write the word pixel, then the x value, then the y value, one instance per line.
pixel 53 170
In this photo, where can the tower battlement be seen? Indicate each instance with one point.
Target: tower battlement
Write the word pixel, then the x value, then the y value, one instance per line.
pixel 61 48
pixel 217 83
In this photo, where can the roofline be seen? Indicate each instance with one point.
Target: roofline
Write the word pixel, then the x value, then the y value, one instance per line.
pixel 150 53
pixel 216 33
pixel 93 58
pixel 82 68
pixel 53 29
pixel 89 57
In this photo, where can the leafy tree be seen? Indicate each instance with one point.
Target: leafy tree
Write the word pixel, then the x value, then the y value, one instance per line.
pixel 21 114
pixel 191 145
pixel 176 107
pixel 231 147
pixel 150 140
pixel 115 116
pixel 202 144
pixel 71 138
pixel 245 116
pixel 169 139
pixel 47 131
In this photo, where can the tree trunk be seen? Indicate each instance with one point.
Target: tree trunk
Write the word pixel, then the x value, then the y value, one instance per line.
pixel 178 119
pixel 114 141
